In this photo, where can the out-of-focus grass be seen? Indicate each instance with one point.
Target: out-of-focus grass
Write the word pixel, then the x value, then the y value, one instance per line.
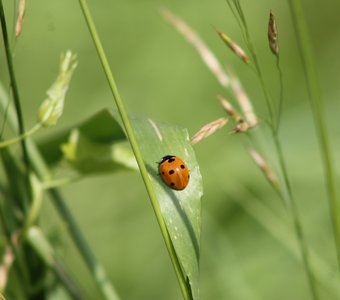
pixel 161 77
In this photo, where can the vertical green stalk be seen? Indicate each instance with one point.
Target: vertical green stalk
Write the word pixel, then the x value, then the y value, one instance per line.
pixel 288 196
pixel 135 147
pixel 279 109
pixel 316 101
pixel 15 93
pixel 296 222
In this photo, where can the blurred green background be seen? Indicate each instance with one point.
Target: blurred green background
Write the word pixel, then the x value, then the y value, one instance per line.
pixel 160 76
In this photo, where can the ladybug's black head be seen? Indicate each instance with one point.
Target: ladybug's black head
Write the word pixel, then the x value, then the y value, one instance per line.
pixel 169 158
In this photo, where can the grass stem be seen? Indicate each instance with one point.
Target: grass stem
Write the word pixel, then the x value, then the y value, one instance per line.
pixel 26 134
pixel 296 222
pixel 16 97
pixel 317 105
pixel 279 108
pixel 287 194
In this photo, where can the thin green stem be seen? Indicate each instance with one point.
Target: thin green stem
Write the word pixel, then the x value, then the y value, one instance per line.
pixel 135 147
pixel 3 125
pixel 279 109
pixel 33 130
pixel 288 196
pixel 290 201
pixel 316 101
pixel 15 90
pixel 75 292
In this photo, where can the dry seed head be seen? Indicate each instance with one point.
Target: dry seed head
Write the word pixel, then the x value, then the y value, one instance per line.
pixel 229 108
pixel 20 19
pixel 205 53
pixel 208 129
pixel 241 126
pixel 233 46
pixel 264 167
pixel 272 35
pixel 243 100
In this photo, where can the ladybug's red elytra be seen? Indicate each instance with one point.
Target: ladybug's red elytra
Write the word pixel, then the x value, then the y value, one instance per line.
pixel 174 172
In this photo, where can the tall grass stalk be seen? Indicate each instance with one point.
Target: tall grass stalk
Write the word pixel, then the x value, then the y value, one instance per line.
pixel 317 105
pixel 287 195
pixel 16 98
pixel 279 113
pixel 186 291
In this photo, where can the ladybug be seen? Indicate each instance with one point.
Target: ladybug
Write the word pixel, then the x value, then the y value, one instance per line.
pixel 174 172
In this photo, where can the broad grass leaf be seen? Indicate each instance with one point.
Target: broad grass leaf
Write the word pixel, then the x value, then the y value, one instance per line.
pixel 181 209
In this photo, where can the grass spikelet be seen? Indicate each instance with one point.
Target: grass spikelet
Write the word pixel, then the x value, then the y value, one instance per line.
pixel 243 100
pixel 242 126
pixel 208 130
pixel 263 165
pixel 272 35
pixel 20 19
pixel 229 108
pixel 233 46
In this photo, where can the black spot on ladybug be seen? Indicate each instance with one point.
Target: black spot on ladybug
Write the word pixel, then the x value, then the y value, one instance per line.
pixel 188 176
pixel 172 184
pixel 163 173
pixel 182 167
pixel 170 160
pixel 171 172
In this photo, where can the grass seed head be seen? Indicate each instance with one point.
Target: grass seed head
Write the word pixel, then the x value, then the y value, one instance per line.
pixel 263 165
pixel 242 126
pixel 208 129
pixel 243 100
pixel 272 35
pixel 20 18
pixel 234 47
pixel 229 108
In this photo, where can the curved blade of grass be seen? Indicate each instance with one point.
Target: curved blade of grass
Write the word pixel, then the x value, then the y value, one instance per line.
pixel 181 210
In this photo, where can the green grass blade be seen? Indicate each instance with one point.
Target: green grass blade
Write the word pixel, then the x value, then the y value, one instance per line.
pixel 319 115
pixel 16 97
pixel 181 210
